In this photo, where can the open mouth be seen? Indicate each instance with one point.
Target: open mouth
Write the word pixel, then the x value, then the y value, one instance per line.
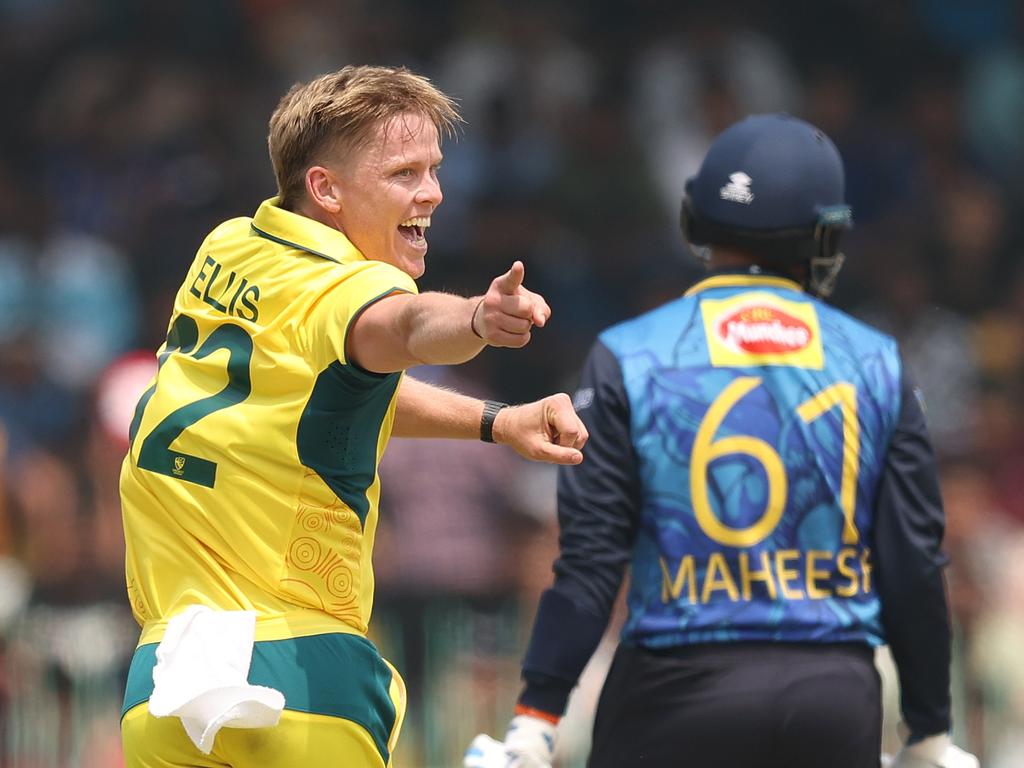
pixel 414 229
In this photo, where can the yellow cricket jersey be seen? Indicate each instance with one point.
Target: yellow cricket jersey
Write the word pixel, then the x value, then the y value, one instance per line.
pixel 251 482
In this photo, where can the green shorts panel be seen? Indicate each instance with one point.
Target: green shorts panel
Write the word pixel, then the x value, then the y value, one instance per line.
pixel 337 675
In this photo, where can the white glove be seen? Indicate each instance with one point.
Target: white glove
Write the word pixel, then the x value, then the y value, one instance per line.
pixel 529 743
pixel 937 751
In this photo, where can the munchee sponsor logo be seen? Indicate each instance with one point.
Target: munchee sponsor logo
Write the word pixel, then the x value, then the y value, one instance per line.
pixel 764 330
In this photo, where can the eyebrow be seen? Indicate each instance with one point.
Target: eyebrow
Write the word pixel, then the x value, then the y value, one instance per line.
pixel 396 164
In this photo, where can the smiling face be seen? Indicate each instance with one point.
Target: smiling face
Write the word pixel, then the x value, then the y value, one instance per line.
pixel 388 191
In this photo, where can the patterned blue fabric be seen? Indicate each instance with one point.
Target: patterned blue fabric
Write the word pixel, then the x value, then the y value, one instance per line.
pixel 806 577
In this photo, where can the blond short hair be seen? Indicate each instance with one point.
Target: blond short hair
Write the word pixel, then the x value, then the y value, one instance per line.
pixel 340 111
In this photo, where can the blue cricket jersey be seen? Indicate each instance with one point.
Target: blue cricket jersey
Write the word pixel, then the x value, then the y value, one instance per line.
pixel 760 419
pixel 760 462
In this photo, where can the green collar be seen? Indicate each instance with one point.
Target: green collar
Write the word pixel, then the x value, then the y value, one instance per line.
pixel 303 233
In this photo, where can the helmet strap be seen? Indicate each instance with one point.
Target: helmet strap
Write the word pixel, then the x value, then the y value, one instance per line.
pixel 822 274
pixel 825 263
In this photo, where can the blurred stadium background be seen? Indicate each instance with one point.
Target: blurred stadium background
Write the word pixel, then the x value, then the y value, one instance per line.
pixel 130 128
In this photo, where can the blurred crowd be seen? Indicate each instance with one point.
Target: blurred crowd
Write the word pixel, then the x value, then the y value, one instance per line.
pixel 132 128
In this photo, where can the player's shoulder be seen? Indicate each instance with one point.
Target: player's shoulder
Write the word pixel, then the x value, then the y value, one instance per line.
pixel 368 279
pixel 627 334
pixel 337 292
pixel 852 327
pixel 230 230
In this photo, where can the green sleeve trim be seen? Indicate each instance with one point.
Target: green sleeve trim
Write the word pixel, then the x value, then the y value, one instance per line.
pixel 352 321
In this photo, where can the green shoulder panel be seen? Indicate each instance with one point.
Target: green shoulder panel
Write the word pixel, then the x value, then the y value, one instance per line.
pixel 340 428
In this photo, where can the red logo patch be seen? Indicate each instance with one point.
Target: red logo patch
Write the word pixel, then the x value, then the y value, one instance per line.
pixel 763 330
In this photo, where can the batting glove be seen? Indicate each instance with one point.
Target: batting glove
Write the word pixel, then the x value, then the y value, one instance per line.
pixel 529 743
pixel 937 751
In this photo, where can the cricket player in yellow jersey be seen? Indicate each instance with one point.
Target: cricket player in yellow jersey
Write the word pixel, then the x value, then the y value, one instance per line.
pixel 250 489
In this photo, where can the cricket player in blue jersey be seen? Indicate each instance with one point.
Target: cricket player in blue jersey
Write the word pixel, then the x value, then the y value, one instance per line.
pixel 760 461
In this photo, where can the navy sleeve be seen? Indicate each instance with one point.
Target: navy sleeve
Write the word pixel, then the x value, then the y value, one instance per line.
pixel 909 561
pixel 598 509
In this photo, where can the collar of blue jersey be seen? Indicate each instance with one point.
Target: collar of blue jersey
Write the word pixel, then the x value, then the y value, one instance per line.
pixel 743 277
pixel 297 231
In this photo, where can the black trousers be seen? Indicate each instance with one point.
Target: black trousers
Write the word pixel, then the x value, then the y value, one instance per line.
pixel 743 705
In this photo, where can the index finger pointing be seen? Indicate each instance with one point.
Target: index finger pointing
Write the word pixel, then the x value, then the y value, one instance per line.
pixel 511 280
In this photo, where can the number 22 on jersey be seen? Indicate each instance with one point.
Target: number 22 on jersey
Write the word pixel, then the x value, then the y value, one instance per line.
pixel 155 453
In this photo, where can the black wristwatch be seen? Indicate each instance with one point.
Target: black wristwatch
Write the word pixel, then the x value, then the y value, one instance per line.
pixel 491 408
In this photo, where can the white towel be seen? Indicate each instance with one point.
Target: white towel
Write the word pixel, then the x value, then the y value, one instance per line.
pixel 201 675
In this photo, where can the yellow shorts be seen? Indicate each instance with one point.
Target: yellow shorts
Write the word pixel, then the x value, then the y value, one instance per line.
pixel 344 706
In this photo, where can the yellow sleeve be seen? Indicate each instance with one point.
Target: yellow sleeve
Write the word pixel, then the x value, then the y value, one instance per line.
pixel 358 287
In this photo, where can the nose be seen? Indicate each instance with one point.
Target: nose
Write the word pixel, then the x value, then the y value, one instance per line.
pixel 430 191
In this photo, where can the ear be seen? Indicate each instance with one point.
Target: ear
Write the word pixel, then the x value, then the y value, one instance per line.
pixel 323 188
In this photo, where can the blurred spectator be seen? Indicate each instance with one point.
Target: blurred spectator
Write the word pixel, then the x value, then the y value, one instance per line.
pixel 1000 446
pixel 935 342
pixel 993 108
pixel 976 526
pixel 700 74
pixel 36 410
pixel 969 253
pixel 87 308
pixel 999 333
pixel 967 24
pixel 17 288
pixel 880 161
pixel 996 657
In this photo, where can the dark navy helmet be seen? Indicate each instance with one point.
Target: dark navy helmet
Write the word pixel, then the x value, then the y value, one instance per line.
pixel 772 185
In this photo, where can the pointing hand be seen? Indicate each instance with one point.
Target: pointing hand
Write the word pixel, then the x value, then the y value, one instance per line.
pixel 508 311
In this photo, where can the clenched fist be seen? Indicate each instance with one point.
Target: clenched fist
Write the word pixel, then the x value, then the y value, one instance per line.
pixel 545 430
